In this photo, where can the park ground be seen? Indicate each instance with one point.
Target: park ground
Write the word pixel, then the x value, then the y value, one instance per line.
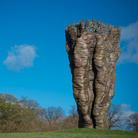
pixel 74 133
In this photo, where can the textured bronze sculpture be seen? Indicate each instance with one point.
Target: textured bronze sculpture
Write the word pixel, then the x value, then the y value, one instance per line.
pixel 93 49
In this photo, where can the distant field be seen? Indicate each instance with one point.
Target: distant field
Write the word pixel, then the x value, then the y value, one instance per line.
pixel 74 133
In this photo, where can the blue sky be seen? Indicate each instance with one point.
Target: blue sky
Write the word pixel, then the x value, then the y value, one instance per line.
pixel 33 59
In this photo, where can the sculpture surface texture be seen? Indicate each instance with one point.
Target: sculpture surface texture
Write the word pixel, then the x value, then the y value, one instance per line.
pixel 93 49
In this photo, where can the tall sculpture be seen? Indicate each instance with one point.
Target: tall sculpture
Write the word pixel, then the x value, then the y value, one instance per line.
pixel 93 49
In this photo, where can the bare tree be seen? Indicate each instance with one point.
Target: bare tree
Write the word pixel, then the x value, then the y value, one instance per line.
pixel 54 116
pixel 73 111
pixel 71 121
pixel 114 115
pixel 132 122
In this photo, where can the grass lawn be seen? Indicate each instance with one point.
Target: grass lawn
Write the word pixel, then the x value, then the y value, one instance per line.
pixel 74 133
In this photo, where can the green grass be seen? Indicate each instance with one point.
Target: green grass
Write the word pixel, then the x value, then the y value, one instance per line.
pixel 74 133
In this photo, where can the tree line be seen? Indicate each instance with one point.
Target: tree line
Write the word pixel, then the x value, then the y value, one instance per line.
pixel 26 115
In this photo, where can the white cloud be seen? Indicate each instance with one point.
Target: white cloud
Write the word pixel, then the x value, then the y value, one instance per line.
pixel 129 36
pixel 125 108
pixel 20 57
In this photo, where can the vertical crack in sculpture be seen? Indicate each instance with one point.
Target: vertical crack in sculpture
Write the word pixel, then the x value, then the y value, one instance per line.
pixel 93 49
